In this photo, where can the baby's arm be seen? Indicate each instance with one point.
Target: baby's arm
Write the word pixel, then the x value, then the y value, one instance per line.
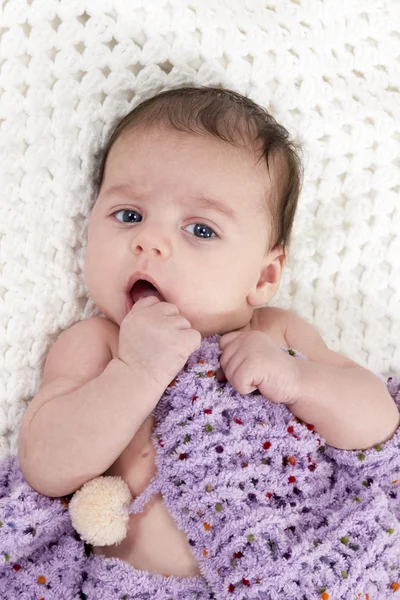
pixel 348 405
pixel 87 411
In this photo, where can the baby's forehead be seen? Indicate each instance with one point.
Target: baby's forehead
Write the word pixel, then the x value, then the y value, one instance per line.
pixel 167 144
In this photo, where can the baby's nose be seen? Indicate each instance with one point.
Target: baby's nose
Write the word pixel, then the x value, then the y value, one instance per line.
pixel 150 242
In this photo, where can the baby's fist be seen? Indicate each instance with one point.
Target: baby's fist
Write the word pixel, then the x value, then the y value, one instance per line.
pixel 252 360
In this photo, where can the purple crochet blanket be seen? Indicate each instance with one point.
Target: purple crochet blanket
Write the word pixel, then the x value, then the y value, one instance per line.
pixel 270 510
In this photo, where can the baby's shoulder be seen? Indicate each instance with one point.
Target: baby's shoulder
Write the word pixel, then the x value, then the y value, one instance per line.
pixel 293 331
pixel 80 353
pixel 110 332
pixel 98 327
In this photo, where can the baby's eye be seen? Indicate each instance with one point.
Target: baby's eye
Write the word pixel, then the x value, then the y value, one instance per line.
pixel 131 215
pixel 202 231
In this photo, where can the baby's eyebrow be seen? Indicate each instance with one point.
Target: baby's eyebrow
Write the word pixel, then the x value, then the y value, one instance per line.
pixel 120 189
pixel 214 204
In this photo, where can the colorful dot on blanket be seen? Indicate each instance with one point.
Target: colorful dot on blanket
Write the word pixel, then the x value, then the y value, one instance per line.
pixel 99 511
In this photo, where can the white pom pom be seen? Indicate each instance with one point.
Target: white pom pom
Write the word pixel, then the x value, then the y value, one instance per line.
pixel 99 511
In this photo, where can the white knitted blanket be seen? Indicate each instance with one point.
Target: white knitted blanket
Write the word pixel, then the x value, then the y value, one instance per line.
pixel 329 70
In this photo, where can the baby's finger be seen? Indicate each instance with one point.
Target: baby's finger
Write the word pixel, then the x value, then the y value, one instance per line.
pixel 167 309
pixel 228 338
pixel 147 301
pixel 227 354
pixel 180 322
pixel 231 363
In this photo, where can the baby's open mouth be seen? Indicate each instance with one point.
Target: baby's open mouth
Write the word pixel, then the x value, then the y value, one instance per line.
pixel 142 289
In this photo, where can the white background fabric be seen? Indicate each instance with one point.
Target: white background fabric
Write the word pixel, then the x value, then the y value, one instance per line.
pixel 327 70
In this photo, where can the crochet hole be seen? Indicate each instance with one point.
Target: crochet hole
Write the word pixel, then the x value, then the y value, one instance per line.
pixel 55 23
pixel 166 66
pixel 112 43
pixel 84 18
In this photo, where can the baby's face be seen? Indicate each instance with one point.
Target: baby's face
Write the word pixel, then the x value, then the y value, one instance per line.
pixel 189 212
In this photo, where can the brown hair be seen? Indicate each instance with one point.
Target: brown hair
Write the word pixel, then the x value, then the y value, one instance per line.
pixel 229 116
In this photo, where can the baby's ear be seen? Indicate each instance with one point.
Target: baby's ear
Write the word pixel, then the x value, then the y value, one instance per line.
pixel 269 279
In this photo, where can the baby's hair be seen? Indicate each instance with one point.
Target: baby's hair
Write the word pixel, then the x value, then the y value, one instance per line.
pixel 232 118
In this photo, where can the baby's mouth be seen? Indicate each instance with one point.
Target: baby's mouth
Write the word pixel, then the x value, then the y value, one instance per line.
pixel 142 289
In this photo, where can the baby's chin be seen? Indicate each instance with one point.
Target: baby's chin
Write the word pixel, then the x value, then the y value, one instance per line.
pixel 208 330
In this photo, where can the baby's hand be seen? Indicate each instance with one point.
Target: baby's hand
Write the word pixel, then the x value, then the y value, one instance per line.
pixel 251 360
pixel 156 338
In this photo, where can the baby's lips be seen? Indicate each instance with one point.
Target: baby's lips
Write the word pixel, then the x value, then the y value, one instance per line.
pixel 143 289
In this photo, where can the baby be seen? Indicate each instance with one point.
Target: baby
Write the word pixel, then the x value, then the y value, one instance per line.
pixel 187 239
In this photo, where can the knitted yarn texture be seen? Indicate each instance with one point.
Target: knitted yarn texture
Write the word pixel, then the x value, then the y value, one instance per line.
pixel 269 509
